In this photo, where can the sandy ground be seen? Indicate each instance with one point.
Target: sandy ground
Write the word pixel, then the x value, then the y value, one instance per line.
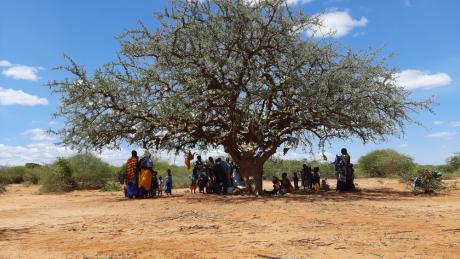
pixel 384 220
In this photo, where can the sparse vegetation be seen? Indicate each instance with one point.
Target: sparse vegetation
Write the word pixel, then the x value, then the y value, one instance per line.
pixel 386 163
pixel 59 178
pixel 111 187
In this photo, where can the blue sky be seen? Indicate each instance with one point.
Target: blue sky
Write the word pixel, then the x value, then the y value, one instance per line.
pixel 34 35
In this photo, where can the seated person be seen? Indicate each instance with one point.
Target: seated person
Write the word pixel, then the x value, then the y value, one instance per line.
pixel 276 186
pixel 316 179
pixel 324 185
pixel 286 186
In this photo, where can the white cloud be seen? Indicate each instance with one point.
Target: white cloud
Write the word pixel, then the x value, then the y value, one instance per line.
pixel 412 79
pixel 37 134
pixel 438 122
pixel 336 24
pixel 46 152
pixel 11 97
pixel 404 145
pixel 442 134
pixel 5 63
pixel 455 123
pixel 21 72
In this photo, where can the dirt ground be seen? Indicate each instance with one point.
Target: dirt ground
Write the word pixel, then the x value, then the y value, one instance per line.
pixel 383 220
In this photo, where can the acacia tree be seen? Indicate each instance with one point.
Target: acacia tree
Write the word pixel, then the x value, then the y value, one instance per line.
pixel 235 74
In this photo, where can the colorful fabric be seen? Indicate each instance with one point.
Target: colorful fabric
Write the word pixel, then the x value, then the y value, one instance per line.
pixel 131 168
pixel 168 185
pixel 189 157
pixel 145 179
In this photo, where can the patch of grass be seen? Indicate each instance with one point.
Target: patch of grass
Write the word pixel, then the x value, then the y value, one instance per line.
pixel 111 187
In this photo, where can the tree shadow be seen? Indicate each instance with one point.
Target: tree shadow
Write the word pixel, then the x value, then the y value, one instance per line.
pixel 380 194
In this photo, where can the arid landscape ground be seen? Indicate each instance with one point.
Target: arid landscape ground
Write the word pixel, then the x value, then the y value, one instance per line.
pixel 384 220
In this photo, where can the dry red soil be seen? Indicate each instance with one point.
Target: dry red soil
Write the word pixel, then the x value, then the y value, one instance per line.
pixel 384 220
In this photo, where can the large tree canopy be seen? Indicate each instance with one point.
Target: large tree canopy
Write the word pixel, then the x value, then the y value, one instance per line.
pixel 235 74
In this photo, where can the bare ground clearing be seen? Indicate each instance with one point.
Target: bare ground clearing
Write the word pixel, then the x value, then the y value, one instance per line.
pixel 383 220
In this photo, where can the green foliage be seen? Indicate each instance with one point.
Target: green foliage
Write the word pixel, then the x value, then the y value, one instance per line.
pixel 180 177
pixel 275 167
pixel 453 162
pixel 32 165
pixel 89 171
pixel 2 187
pixel 59 178
pixel 234 74
pixel 15 174
pixel 430 182
pixel 111 187
pixel 385 163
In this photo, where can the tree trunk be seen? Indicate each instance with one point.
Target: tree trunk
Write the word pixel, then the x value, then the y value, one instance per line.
pixel 251 170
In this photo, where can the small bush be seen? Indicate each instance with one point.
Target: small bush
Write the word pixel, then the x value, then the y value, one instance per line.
pixel 429 181
pixel 89 171
pixel 111 187
pixel 2 187
pixel 385 163
pixel 31 177
pixel 58 178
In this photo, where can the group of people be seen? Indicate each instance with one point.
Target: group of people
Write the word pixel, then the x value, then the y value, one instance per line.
pixel 141 181
pixel 215 176
pixel 223 177
pixel 310 178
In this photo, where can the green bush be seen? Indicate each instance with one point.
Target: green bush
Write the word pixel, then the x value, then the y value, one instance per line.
pixel 89 171
pixel 2 187
pixel 453 163
pixel 58 178
pixel 15 174
pixel 430 182
pixel 386 163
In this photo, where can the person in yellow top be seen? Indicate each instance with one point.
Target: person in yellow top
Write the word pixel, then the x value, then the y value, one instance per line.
pixel 145 175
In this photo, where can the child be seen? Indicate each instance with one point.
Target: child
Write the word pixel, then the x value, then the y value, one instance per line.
pixel 202 180
pixel 154 184
pixel 193 176
pixel 324 185
pixel 160 186
pixel 316 179
pixel 296 181
pixel 168 183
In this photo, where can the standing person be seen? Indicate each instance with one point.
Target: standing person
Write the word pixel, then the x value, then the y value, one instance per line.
pixel 193 176
pixel 346 168
pixel 145 175
pixel 209 167
pixel 198 163
pixel 307 174
pixel 219 176
pixel 131 175
pixel 295 178
pixel 154 184
pixel 168 183
pixel 160 186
